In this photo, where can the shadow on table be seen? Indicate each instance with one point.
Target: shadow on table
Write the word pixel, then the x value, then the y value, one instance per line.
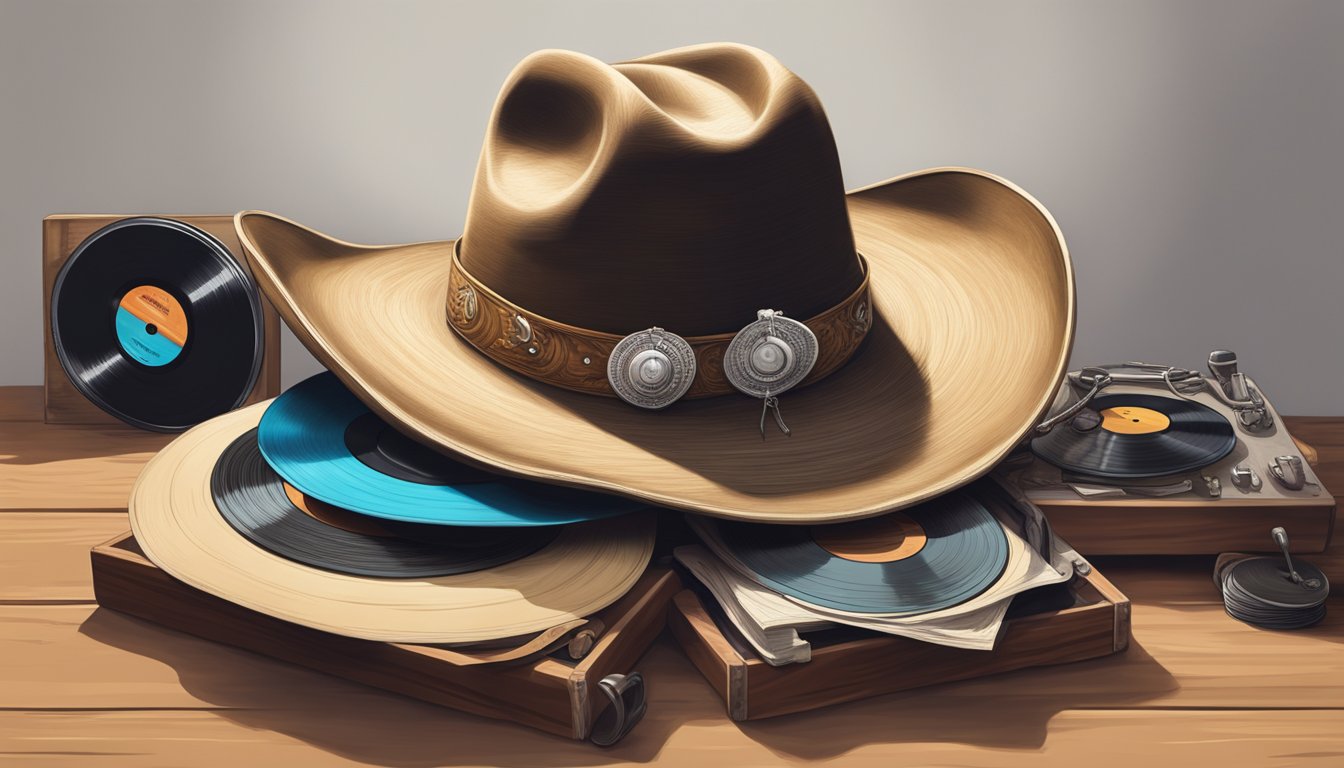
pixel 1005 711
pixel 361 723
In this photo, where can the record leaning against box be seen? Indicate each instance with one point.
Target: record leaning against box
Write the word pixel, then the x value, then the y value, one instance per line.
pixel 1138 436
pixel 324 442
pixel 155 322
pixel 488 586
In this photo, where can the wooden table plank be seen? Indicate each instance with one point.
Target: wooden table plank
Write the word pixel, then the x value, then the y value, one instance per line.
pixel 71 657
pixel 71 468
pixel 86 686
pixel 44 556
pixel 1090 737
pixel 20 403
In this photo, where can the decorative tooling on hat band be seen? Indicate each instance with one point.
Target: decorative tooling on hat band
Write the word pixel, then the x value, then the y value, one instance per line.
pixel 577 359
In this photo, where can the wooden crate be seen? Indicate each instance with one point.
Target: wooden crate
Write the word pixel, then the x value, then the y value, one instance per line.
pixel 1095 624
pixel 553 694
pixel 61 235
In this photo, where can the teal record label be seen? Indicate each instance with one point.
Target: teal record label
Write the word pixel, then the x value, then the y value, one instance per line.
pixel 151 325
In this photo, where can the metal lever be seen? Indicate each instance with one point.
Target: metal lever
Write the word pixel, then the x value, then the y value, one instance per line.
pixel 1223 366
pixel 1237 392
pixel 1246 478
pixel 1099 380
pixel 1281 538
pixel 1288 471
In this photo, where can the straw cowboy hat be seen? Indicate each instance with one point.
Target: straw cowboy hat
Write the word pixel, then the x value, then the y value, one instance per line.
pixel 663 290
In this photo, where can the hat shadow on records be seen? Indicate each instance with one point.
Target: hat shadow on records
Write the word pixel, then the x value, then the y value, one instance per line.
pixel 894 391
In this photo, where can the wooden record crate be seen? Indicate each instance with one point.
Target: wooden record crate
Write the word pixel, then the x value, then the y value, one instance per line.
pixel 552 693
pixel 61 235
pixel 862 664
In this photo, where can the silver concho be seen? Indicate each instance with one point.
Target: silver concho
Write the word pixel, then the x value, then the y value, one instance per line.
pixel 770 356
pixel 652 368
pixel 466 302
pixel 520 330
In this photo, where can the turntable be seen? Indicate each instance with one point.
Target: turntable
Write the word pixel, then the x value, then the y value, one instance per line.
pixel 1152 459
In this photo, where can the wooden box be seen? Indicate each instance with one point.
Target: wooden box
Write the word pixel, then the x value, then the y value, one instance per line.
pixel 553 693
pixel 859 665
pixel 61 235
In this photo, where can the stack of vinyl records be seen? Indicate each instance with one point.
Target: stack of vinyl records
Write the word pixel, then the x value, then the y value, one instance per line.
pixel 942 572
pixel 311 509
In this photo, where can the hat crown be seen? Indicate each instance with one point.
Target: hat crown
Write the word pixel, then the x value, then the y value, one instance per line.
pixel 685 190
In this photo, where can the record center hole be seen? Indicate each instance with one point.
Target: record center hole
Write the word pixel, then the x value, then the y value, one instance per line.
pixel 151 329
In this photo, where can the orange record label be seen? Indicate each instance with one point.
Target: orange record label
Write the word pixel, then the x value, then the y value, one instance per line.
pixel 156 306
pixel 1127 420
pixel 884 539
pixel 151 325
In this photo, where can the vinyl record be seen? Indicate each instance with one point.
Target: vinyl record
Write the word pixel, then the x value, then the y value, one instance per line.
pixel 173 515
pixel 259 505
pixel 323 441
pixel 155 322
pixel 927 558
pixel 1261 591
pixel 1138 436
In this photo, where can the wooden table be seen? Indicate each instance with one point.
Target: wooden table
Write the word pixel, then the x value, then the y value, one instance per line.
pixel 80 685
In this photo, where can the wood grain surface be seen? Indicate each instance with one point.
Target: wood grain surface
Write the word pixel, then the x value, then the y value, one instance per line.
pixel 71 467
pixel 83 685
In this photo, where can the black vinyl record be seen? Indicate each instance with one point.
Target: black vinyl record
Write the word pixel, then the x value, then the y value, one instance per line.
pixel 1261 591
pixel 1138 436
pixel 255 501
pixel 155 322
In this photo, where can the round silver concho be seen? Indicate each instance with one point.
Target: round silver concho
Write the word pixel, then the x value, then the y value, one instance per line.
pixel 770 356
pixel 652 368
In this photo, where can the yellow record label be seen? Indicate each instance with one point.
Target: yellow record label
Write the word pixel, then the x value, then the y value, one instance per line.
pixel 1127 420
pixel 883 539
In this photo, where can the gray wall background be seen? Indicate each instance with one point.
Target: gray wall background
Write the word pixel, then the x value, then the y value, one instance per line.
pixel 1192 152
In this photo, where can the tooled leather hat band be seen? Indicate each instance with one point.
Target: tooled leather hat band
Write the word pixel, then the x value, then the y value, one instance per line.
pixel 577 358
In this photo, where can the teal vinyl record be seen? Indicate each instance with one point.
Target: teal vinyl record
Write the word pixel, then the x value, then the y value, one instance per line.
pixel 257 504
pixel 322 440
pixel 932 556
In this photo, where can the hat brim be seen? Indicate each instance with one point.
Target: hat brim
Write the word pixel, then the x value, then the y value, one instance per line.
pixel 973 298
pixel 585 568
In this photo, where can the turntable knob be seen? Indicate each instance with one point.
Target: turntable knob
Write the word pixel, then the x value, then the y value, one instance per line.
pixel 1287 470
pixel 1246 478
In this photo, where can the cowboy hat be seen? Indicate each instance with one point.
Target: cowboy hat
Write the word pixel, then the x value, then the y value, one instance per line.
pixel 175 515
pixel 672 233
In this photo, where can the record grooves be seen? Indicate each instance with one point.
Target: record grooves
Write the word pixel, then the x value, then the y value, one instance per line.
pixel 253 500
pixel 938 554
pixel 1165 436
pixel 322 440
pixel 1261 591
pixel 155 322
